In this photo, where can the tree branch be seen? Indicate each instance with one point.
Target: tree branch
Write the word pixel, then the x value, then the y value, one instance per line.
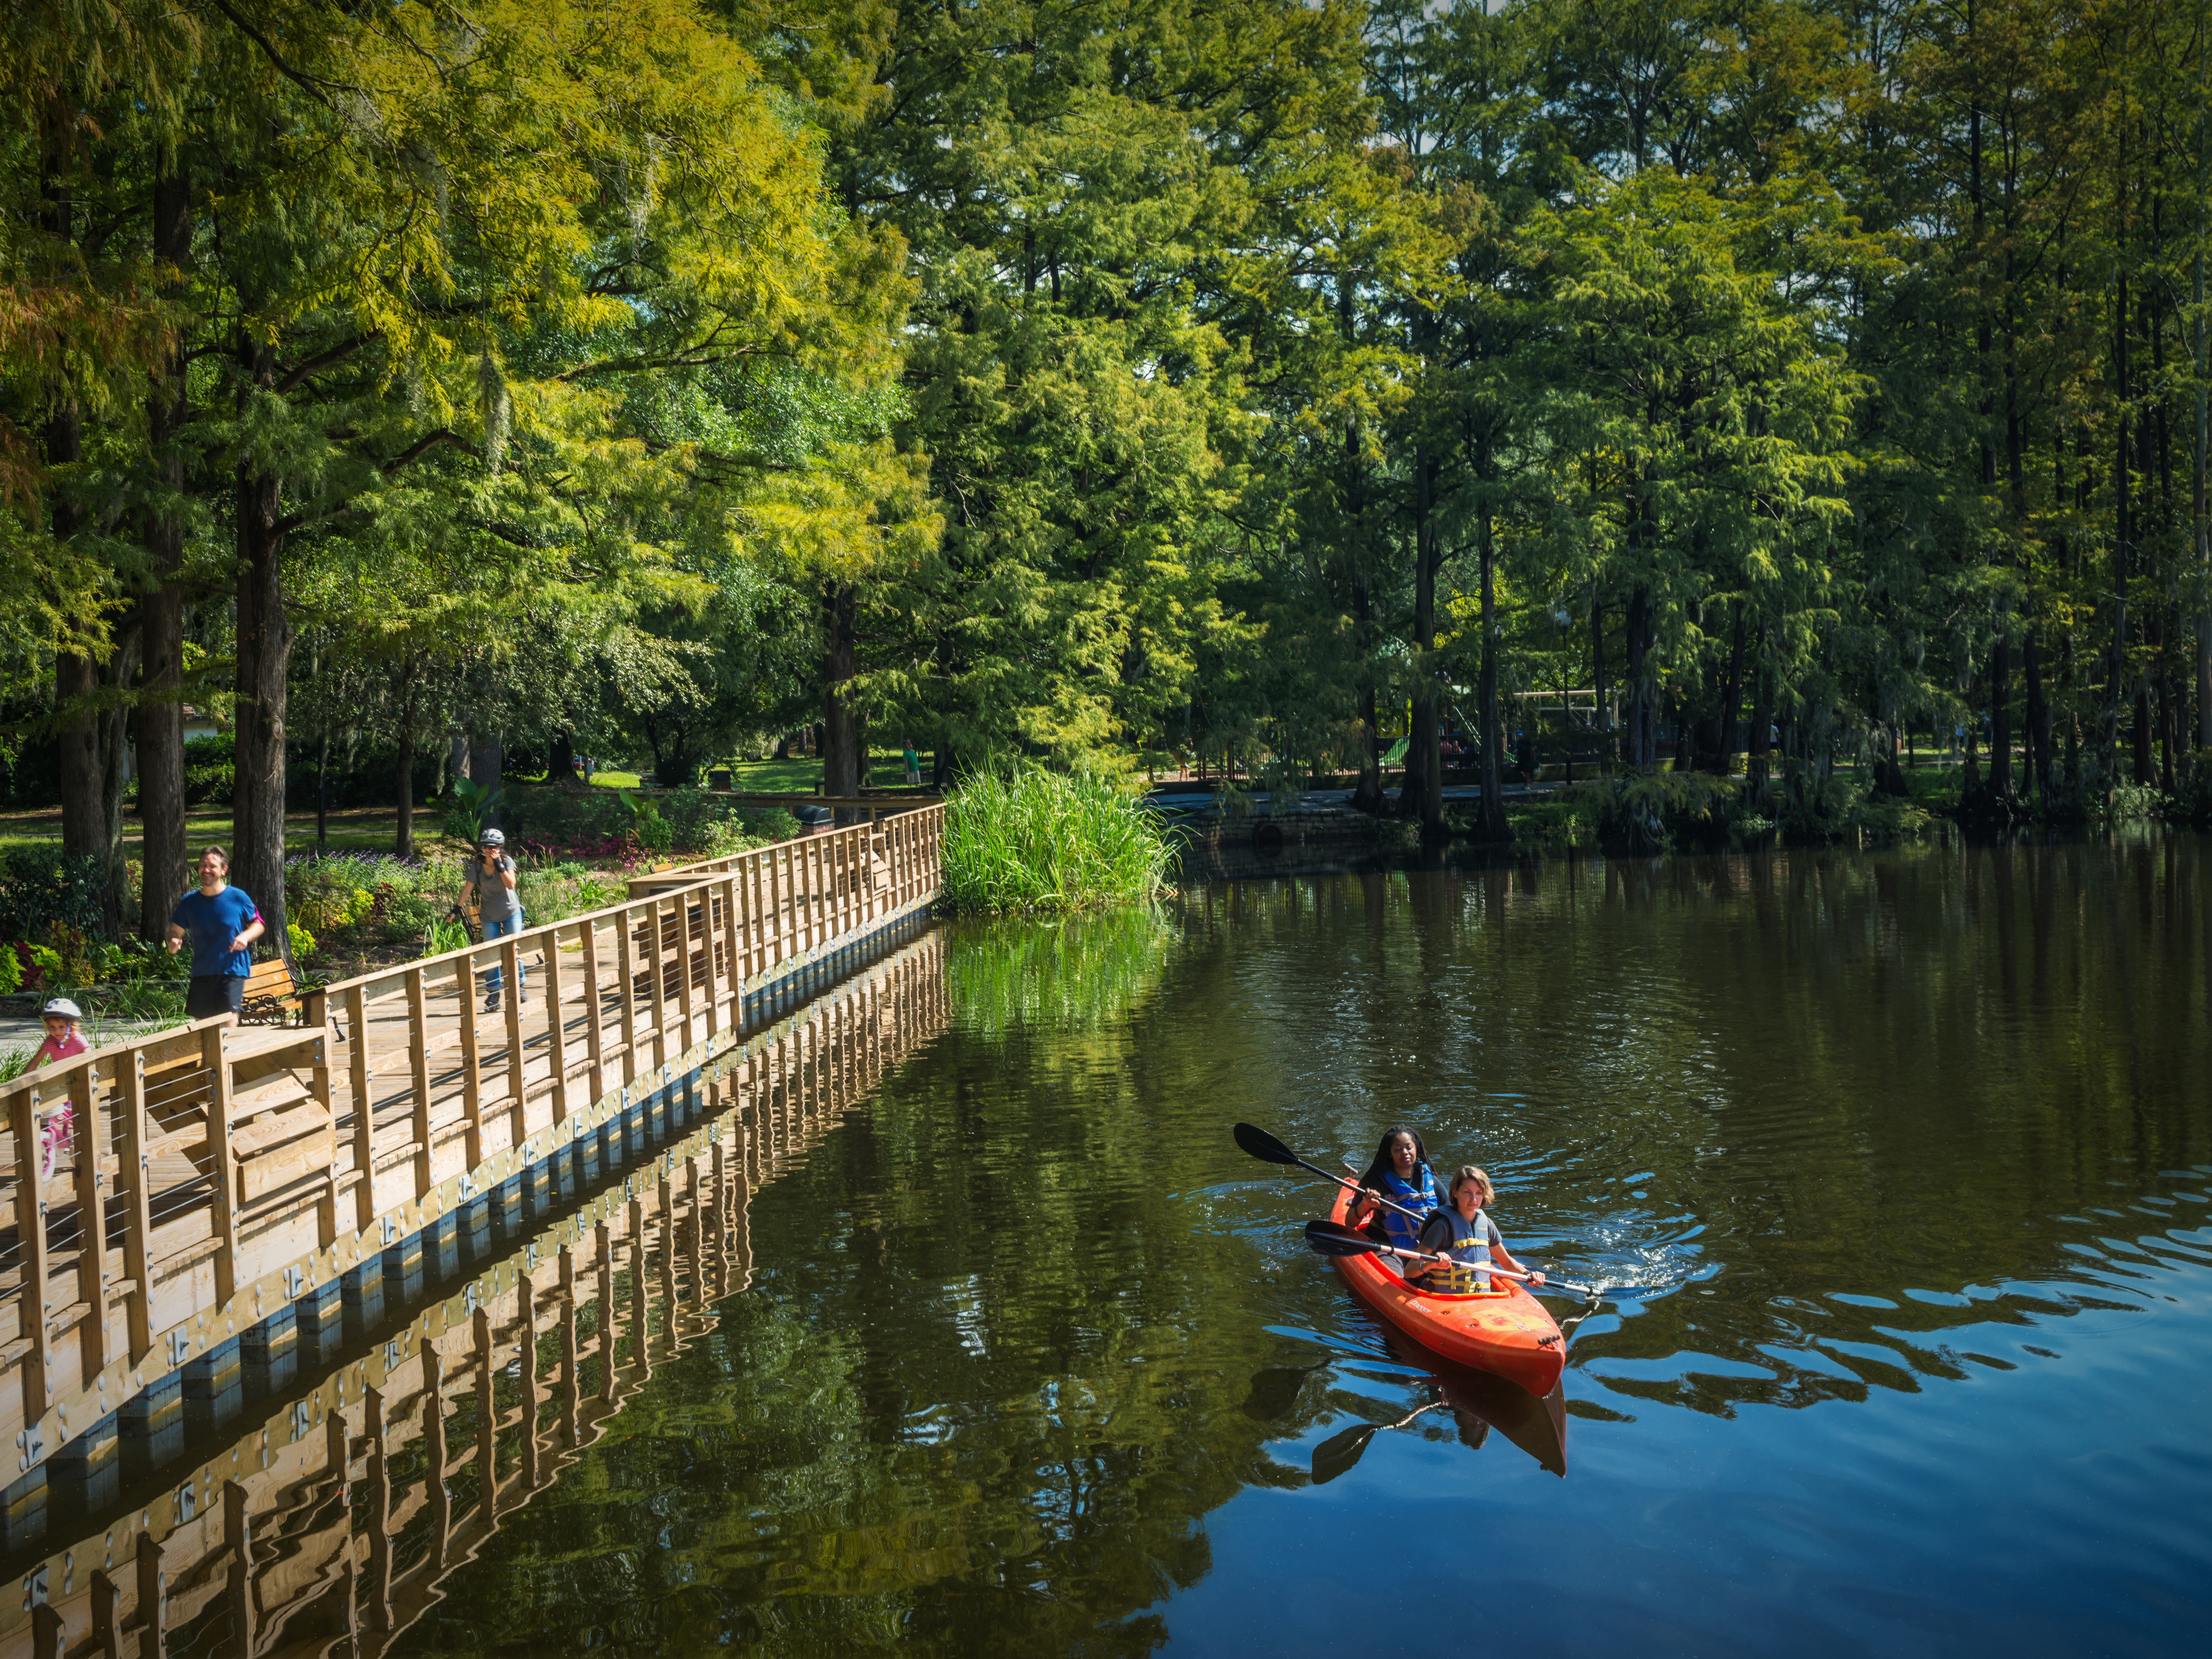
pixel 338 353
pixel 311 85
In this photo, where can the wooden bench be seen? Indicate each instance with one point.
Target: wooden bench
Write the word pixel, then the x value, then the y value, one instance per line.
pixel 272 994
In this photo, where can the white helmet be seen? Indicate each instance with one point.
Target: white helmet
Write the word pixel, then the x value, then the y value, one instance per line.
pixel 61 1008
pixel 492 838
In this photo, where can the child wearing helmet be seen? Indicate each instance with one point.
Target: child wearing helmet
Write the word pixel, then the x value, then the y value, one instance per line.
pixel 64 1041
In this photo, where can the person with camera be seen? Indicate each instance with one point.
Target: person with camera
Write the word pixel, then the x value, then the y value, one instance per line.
pixel 499 906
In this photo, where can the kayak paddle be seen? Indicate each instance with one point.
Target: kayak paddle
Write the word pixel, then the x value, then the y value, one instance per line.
pixel 1269 1150
pixel 1336 1454
pixel 1334 1238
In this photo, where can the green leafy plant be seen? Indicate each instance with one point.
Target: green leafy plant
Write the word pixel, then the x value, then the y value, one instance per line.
pixel 467 807
pixel 408 915
pixel 653 831
pixel 1033 840
pixel 447 932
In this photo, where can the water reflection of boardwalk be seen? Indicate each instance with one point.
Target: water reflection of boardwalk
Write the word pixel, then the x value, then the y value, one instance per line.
pixel 321 1528
pixel 229 1191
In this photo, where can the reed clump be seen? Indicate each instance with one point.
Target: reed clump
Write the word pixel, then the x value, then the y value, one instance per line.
pixel 1030 841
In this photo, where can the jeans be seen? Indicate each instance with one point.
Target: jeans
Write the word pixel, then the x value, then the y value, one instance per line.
pixel 493 930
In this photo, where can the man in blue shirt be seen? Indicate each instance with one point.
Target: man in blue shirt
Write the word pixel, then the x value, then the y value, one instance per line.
pixel 222 922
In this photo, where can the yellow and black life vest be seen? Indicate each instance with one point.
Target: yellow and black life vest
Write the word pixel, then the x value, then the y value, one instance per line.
pixel 1468 1272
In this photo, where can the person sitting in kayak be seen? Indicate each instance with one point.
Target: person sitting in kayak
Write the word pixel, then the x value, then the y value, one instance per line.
pixel 1400 1173
pixel 1463 1232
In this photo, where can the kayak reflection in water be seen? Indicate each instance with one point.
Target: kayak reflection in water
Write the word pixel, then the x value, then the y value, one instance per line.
pixel 1400 1174
pixel 1464 1232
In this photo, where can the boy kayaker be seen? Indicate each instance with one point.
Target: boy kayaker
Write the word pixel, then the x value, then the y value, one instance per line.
pixel 1400 1173
pixel 1463 1232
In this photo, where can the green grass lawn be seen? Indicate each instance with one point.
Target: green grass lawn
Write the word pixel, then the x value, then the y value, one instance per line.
pixel 360 830
pixel 774 777
pixel 369 828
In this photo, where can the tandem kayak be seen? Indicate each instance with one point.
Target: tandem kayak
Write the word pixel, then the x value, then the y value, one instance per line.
pixel 1506 1332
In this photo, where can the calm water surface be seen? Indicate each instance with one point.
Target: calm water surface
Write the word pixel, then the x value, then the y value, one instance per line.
pixel 1912 1151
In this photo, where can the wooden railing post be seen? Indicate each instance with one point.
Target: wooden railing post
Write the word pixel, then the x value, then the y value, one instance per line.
pixel 464 982
pixel 225 1164
pixel 138 1168
pixel 31 1259
pixel 657 971
pixel 364 1106
pixel 595 1041
pixel 556 1043
pixel 626 965
pixel 89 1133
pixel 510 975
pixel 418 1026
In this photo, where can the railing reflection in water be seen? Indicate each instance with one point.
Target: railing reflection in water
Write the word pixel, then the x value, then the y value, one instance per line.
pixel 322 1529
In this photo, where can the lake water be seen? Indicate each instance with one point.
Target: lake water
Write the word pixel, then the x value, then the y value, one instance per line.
pixel 1910 1152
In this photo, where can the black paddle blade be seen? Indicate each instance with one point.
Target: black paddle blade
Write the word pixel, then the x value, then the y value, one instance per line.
pixel 1334 1238
pixel 1336 1454
pixel 1263 1146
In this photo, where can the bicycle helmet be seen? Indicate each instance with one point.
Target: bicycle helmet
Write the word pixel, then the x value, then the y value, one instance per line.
pixel 61 1008
pixel 492 838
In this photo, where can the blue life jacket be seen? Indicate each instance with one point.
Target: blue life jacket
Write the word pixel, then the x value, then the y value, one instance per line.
pixel 1419 1199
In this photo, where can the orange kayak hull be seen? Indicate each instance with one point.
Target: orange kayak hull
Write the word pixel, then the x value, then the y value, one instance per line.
pixel 1507 1332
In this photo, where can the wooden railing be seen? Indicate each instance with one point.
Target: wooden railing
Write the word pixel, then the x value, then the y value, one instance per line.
pixel 284 1530
pixel 216 1176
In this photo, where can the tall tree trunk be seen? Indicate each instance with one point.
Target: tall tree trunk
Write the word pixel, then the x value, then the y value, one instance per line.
pixel 119 906
pixel 842 766
pixel 561 756
pixel 1642 754
pixel 487 766
pixel 2116 672
pixel 264 650
pixel 1424 792
pixel 1367 793
pixel 2200 524
pixel 2039 720
pixel 1597 663
pixel 2000 788
pixel 2141 732
pixel 1731 700
pixel 403 835
pixel 1492 815
pixel 165 860
pixel 1762 723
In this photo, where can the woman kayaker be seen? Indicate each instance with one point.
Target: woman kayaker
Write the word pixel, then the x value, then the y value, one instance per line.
pixel 1463 1232
pixel 1400 1173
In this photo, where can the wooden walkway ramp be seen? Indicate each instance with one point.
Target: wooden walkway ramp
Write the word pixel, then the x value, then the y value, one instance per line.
pixel 221 1184
pixel 310 1524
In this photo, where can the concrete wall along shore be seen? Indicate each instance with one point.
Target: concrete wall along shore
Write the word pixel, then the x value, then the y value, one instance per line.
pixel 231 1197
pixel 310 1523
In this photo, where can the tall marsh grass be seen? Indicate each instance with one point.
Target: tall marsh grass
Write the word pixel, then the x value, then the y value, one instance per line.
pixel 1031 840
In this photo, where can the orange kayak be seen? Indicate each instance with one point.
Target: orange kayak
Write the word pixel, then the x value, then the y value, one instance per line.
pixel 1506 1332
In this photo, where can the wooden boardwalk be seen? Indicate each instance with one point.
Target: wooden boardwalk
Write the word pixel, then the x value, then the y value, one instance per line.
pixel 216 1178
pixel 264 1544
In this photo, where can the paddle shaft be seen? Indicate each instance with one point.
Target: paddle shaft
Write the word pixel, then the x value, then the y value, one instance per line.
pixel 1432 1255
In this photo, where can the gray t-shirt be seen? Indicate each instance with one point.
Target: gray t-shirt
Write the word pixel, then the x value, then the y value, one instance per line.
pixel 1437 1232
pixel 496 900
